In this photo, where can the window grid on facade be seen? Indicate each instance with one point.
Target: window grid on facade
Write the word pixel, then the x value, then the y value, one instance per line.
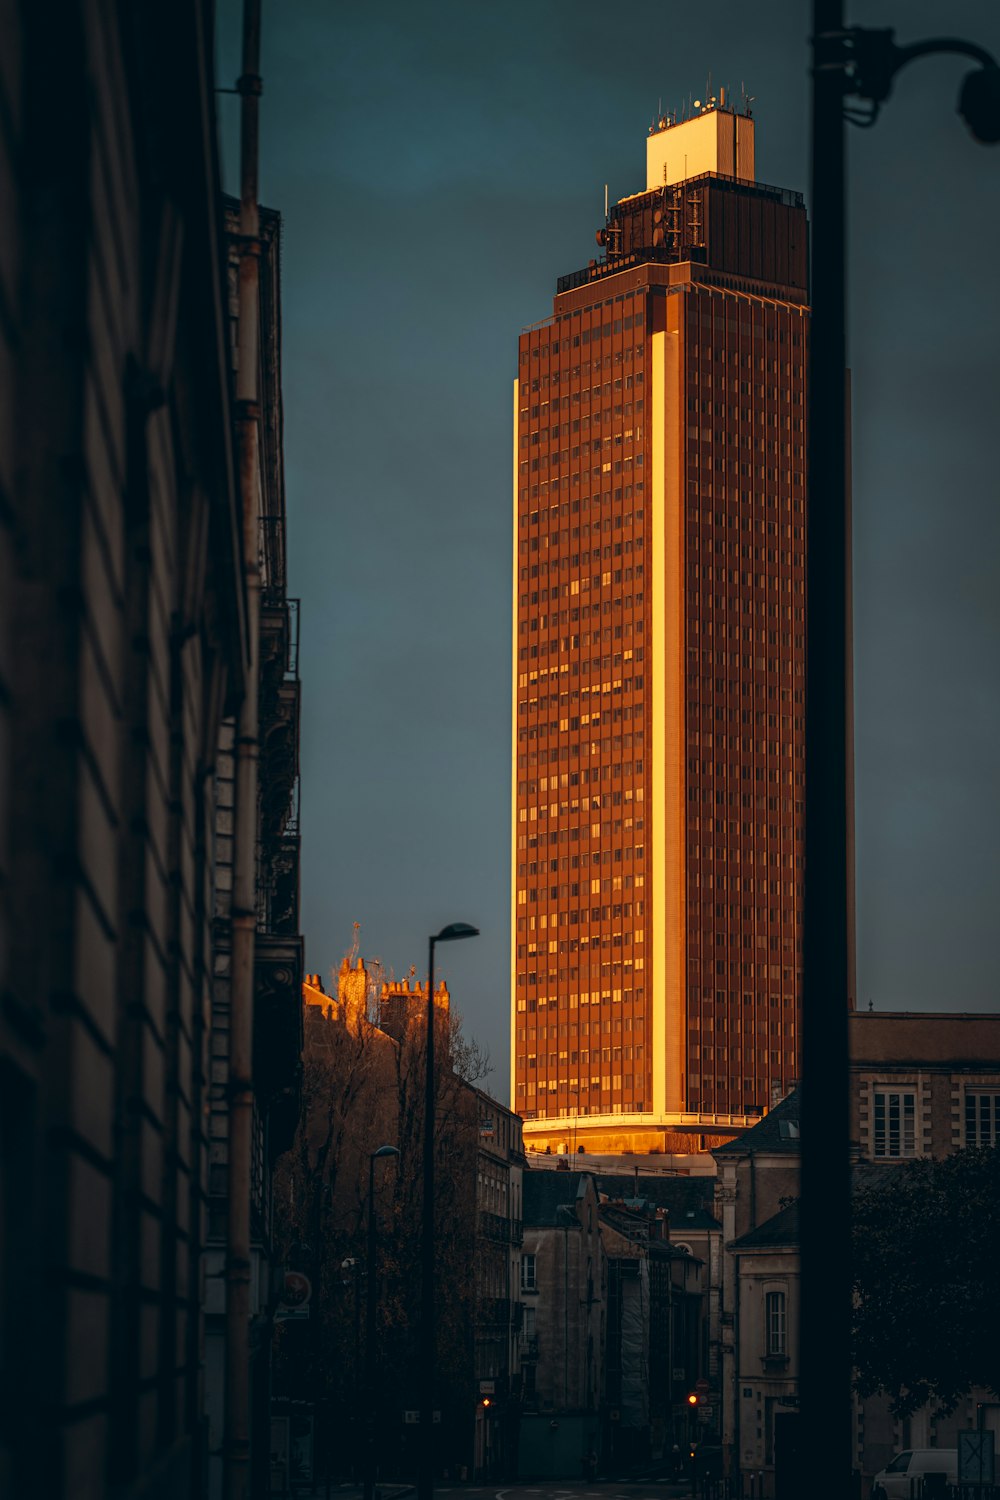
pixel 895 1123
pixel 528 1281
pixel 982 1114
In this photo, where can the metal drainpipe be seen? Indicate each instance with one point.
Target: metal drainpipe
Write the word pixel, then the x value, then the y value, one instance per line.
pixel 236 1453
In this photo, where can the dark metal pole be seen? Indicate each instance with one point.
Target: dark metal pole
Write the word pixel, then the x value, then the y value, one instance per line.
pixel 358 1389
pixel 425 1478
pixel 370 1337
pixel 825 1358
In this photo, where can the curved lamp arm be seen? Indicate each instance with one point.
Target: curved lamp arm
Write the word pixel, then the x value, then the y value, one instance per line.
pixel 869 60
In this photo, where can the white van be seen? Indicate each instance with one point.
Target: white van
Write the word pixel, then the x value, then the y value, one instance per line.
pixel 904 1476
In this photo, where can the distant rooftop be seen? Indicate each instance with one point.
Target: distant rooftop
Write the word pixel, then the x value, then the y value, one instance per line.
pixel 778 1131
pixel 550 1197
pixel 781 1229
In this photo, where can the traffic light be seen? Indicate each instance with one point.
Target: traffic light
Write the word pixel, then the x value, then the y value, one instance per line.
pixel 693 1398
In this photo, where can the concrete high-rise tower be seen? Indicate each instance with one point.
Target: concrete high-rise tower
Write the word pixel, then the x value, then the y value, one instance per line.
pixel 658 677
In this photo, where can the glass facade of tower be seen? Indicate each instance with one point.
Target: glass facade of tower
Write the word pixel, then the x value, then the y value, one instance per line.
pixel 659 673
pixel 582 714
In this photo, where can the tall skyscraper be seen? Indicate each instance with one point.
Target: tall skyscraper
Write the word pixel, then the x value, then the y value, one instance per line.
pixel 658 677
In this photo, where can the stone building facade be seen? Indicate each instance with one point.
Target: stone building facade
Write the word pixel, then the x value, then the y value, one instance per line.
pixel 766 1366
pixel 278 945
pixel 123 649
pixel 498 1304
pixel 921 1084
pixel 759 1175
pixel 563 1288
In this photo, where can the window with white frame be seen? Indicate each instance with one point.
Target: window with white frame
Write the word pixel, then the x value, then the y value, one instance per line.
pixel 982 1119
pixel 774 1323
pixel 894 1121
pixel 528 1282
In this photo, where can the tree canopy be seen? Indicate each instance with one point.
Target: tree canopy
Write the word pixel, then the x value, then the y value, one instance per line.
pixel 926 1272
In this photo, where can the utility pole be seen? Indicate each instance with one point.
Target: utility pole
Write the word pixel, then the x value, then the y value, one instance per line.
pixel 825 1325
pixel 856 63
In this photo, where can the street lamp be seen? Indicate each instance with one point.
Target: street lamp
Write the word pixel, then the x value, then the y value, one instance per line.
pixel 425 1478
pixel 354 1266
pixel 859 63
pixel 381 1154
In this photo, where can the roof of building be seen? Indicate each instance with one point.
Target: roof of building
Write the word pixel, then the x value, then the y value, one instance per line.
pixel 781 1229
pixel 942 1039
pixel 777 1131
pixel 663 1250
pixel 550 1197
pixel 688 1200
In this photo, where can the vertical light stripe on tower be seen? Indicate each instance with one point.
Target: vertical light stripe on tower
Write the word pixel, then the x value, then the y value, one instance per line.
pixel 656 980
pixel 667 980
pixel 672 673
pixel 513 775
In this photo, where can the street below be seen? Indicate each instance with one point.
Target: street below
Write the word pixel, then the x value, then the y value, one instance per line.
pixel 600 1489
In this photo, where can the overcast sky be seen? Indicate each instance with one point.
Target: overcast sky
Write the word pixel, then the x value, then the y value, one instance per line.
pixel 437 167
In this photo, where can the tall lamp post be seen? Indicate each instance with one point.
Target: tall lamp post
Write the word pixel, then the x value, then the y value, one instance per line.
pixel 849 63
pixel 425 1478
pixel 371 1337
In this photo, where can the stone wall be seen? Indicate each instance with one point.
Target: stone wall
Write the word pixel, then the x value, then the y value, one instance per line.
pixel 120 617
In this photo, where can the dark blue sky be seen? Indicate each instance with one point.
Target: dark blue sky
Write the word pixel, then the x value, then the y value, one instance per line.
pixel 437 167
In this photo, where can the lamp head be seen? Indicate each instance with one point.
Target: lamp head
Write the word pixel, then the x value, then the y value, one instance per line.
pixel 979 104
pixel 385 1151
pixel 455 930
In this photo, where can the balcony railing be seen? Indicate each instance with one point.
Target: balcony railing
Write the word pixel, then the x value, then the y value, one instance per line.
pixel 494 1227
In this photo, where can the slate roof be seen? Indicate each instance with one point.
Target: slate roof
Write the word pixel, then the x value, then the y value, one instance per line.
pixel 550 1197
pixel 781 1229
pixel 688 1200
pixel 776 1133
pixel 663 1250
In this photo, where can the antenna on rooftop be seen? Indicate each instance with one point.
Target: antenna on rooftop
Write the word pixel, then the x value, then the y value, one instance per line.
pixel 605 200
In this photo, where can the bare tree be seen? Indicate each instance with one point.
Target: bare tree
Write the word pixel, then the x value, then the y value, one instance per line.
pixel 363 1087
